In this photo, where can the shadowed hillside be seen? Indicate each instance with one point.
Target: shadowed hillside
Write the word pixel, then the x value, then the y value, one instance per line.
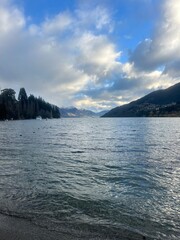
pixel 159 103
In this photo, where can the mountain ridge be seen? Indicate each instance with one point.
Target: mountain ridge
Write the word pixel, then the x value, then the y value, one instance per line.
pixel 159 103
pixel 73 112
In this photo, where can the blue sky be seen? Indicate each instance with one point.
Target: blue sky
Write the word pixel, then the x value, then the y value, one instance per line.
pixel 94 54
pixel 134 20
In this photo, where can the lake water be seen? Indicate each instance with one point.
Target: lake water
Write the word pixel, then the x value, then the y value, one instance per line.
pixel 107 178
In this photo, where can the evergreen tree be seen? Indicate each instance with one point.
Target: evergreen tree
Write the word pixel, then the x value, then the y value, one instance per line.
pixel 8 104
pixel 22 95
pixel 22 104
pixel 26 107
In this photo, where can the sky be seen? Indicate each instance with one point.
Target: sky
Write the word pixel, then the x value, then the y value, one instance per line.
pixel 93 54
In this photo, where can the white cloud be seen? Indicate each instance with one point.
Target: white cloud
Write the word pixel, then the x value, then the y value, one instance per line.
pixel 10 19
pixel 69 59
pixel 96 55
pixel 46 62
pixel 164 47
pixel 99 17
pixel 57 24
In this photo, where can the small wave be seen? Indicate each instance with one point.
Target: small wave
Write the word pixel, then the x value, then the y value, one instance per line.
pixel 77 152
pixel 95 149
pixel 9 213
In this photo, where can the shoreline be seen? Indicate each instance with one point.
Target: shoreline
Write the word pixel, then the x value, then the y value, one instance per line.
pixel 13 228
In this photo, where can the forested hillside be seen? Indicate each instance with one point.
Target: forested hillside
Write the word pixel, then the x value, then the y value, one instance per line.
pixel 160 103
pixel 24 107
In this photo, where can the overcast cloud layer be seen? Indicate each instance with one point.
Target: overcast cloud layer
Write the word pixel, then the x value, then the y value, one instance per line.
pixel 71 59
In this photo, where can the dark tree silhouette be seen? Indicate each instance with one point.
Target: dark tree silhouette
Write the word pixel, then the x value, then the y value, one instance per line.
pixel 22 104
pixel 25 107
pixel 8 104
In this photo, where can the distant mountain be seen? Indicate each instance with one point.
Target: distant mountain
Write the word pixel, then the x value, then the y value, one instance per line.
pixel 160 103
pixel 79 113
pixel 100 114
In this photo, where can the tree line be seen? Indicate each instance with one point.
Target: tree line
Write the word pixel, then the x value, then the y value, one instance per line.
pixel 24 107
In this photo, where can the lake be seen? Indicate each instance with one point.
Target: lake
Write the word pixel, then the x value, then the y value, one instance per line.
pixel 107 178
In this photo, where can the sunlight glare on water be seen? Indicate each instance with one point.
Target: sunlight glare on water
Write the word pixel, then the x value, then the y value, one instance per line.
pixel 102 175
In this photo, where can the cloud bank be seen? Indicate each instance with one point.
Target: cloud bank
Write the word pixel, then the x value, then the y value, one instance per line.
pixel 71 58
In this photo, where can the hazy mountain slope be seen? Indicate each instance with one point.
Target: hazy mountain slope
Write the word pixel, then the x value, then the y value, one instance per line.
pixel 78 113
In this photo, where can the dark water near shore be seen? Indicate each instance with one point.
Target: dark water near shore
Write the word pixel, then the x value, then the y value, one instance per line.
pixel 107 177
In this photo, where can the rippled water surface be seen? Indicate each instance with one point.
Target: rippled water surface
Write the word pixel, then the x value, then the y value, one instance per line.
pixel 108 177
